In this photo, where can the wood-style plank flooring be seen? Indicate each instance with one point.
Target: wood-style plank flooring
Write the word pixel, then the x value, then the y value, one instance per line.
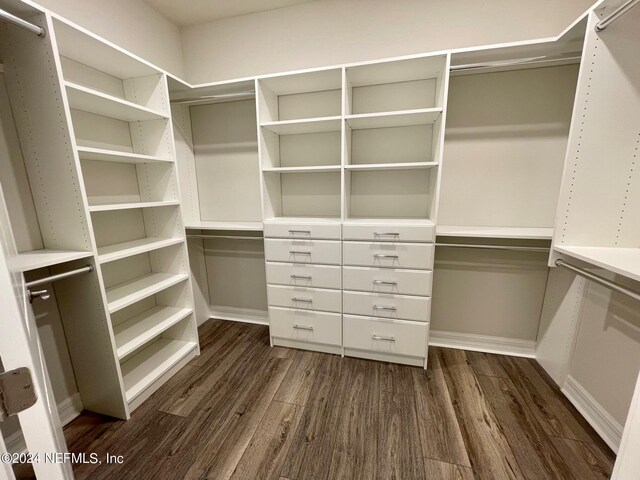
pixel 243 410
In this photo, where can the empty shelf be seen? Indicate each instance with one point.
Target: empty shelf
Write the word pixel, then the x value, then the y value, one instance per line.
pixel 144 368
pixel 623 261
pixel 403 118
pixel 124 294
pixel 389 221
pixel 92 101
pixel 90 153
pixel 525 233
pixel 305 125
pixel 134 247
pixel 288 220
pixel 210 225
pixel 43 258
pixel 129 205
pixel 392 166
pixel 311 169
pixel 141 329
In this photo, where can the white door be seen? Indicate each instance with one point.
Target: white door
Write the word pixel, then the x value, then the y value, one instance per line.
pixel 20 347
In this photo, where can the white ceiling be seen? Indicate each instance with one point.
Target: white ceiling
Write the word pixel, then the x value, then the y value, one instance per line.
pixel 191 12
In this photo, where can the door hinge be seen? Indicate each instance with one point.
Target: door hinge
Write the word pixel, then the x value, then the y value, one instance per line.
pixel 16 392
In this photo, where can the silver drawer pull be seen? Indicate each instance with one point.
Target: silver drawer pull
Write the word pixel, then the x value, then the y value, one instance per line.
pixel 301 277
pixel 384 282
pixel 382 255
pixel 383 338
pixel 306 232
pixel 384 307
pixel 302 327
pixel 386 234
pixel 303 300
pixel 299 252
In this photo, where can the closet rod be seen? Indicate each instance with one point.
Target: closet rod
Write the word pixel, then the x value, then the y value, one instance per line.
pixel 231 237
pixel 8 17
pixel 599 280
pixel 60 276
pixel 613 16
pixel 493 247
pixel 542 59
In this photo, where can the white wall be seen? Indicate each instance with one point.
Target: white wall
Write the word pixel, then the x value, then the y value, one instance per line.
pixel 330 32
pixel 130 24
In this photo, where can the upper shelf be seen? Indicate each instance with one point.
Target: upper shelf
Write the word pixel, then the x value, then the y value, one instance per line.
pixel 34 259
pixel 310 169
pixel 305 125
pixel 225 226
pixel 403 118
pixel 103 155
pixel 93 101
pixel 131 205
pixel 623 261
pixel 524 233
pixel 392 166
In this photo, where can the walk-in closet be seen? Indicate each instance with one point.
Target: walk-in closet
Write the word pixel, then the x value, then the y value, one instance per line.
pixel 319 239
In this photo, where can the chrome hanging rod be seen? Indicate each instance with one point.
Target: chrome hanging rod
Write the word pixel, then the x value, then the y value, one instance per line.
pixel 60 276
pixel 542 59
pixel 616 14
pixel 599 280
pixel 494 247
pixel 10 18
pixel 218 96
pixel 228 237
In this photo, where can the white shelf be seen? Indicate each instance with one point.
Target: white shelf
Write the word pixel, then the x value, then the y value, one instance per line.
pixel 305 125
pixel 125 294
pixel 34 259
pixel 392 166
pixel 103 155
pixel 287 220
pixel 525 233
pixel 225 226
pixel 141 329
pixel 92 101
pixel 130 205
pixel 403 118
pixel 143 369
pixel 311 169
pixel 623 261
pixel 118 251
pixel 389 221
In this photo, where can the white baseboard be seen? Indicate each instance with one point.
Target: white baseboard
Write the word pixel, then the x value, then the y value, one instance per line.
pixel 245 315
pixel 483 343
pixel 68 410
pixel 603 423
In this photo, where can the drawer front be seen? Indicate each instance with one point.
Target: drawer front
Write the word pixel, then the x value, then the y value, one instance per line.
pixel 305 325
pixel 301 275
pixel 302 251
pixel 385 305
pixel 390 233
pixel 302 230
pixel 396 337
pixel 305 298
pixel 393 255
pixel 387 280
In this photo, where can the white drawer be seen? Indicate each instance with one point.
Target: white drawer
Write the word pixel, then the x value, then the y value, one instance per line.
pixel 306 298
pixel 387 280
pixel 386 305
pixel 302 251
pixel 302 230
pixel 306 325
pixel 394 255
pixel 389 233
pixel 301 275
pixel 396 337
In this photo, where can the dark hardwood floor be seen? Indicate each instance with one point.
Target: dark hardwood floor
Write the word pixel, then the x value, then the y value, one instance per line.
pixel 243 410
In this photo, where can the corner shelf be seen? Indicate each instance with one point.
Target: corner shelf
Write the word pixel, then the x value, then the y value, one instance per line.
pixel 107 207
pixel 118 251
pixel 305 125
pixel 524 233
pixel 104 155
pixel 402 118
pixel 391 166
pixel 143 328
pixel 623 261
pixel 127 293
pixel 93 101
pixel 147 366
pixel 34 259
